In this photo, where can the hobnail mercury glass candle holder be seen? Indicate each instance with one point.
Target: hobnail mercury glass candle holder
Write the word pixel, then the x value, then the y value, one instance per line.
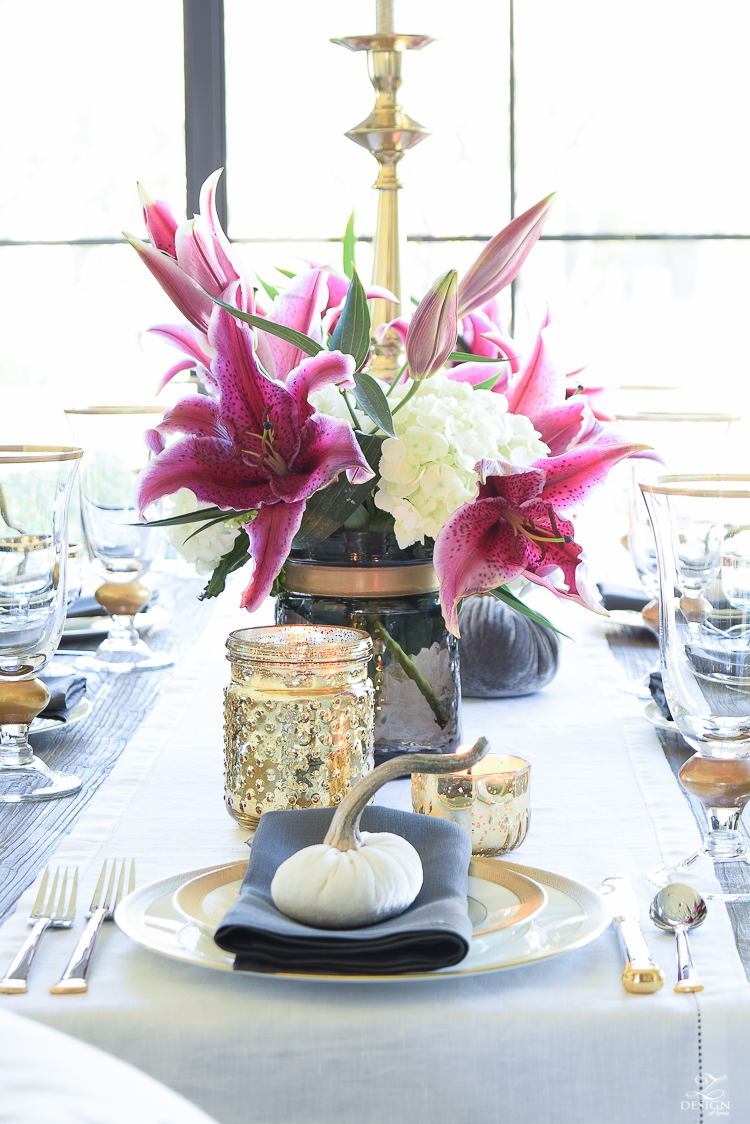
pixel 490 801
pixel 298 718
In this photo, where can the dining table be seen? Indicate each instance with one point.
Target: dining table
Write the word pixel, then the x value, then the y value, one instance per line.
pixel 553 1040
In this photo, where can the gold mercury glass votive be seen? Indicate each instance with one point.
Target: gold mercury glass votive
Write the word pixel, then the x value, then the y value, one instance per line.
pixel 490 801
pixel 298 718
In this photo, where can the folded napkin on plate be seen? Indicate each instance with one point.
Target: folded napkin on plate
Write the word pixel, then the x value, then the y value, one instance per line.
pixel 434 932
pixel 658 694
pixel 65 693
pixel 621 597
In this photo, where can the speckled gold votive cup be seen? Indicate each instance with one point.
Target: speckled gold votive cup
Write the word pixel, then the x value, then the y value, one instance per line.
pixel 490 801
pixel 298 718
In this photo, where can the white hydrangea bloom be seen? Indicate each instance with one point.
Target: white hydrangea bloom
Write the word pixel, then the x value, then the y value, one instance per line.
pixel 205 549
pixel 427 470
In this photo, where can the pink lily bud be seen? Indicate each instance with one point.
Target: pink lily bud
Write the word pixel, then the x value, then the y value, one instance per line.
pixel 434 328
pixel 501 259
pixel 160 222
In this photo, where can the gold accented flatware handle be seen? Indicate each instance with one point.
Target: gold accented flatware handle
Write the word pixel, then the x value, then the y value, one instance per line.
pixel 641 974
pixel 16 977
pixel 73 978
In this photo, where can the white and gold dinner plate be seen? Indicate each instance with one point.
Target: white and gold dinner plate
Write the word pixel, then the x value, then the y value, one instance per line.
pixel 42 724
pixel 175 916
pixel 86 628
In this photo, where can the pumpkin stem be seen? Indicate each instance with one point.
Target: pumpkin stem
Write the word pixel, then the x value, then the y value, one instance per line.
pixel 344 830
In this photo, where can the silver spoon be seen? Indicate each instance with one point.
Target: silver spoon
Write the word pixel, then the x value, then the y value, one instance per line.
pixel 678 908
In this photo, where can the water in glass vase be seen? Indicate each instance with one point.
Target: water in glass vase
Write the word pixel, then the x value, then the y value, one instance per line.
pixel 363 580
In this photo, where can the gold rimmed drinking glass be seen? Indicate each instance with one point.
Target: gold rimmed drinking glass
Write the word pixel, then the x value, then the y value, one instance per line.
pixel 701 526
pixel 122 549
pixel 36 482
pixel 686 442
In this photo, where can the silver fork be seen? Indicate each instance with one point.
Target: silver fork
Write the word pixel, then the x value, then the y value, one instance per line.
pixel 42 918
pixel 102 909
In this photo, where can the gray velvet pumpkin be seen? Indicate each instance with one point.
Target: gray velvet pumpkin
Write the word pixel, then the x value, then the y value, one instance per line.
pixel 503 654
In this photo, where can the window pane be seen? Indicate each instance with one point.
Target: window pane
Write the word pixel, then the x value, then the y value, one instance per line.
pixel 77 314
pixel 635 113
pixel 97 97
pixel 659 313
pixel 291 171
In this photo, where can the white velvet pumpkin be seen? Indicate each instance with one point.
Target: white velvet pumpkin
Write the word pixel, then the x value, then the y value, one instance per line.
pixel 328 888
pixel 353 879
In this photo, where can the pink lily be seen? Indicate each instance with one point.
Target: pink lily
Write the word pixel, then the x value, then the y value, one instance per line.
pixel 195 346
pixel 260 447
pixel 538 391
pixel 201 262
pixel 513 528
pixel 501 259
pixel 160 222
pixel 480 336
pixel 434 327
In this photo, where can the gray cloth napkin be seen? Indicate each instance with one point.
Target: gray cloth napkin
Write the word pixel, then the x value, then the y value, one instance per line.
pixel 66 691
pixel 433 933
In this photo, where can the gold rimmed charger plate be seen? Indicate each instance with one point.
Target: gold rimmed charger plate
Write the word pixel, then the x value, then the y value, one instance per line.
pixel 498 897
pixel 573 915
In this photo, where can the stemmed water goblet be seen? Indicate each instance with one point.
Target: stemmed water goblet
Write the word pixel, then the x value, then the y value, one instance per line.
pixel 702 531
pixel 684 442
pixel 35 488
pixel 121 549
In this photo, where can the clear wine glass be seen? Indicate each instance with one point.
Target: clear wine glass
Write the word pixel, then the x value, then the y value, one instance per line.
pixel 35 488
pixel 686 442
pixel 702 530
pixel 121 548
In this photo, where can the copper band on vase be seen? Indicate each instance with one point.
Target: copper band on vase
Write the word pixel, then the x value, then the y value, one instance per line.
pixel 350 580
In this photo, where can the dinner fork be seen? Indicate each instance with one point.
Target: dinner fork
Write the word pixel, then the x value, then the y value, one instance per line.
pixel 42 918
pixel 102 909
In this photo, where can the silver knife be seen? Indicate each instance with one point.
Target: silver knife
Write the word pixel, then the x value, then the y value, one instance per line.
pixel 641 973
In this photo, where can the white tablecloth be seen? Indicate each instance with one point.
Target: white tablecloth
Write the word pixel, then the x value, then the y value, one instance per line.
pixel 557 1041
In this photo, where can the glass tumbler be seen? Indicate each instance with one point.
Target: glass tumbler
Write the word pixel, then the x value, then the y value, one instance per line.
pixel 298 718
pixel 35 489
pixel 702 531
pixel 121 548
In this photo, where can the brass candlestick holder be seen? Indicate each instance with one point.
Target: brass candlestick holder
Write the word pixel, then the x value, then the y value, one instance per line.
pixel 387 133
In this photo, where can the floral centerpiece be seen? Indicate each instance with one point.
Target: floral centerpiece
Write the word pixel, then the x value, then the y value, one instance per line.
pixel 467 449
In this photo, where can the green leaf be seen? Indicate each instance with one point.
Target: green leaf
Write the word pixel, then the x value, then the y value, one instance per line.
pixel 285 272
pixel 247 517
pixel 303 342
pixel 202 515
pixel 352 332
pixel 272 293
pixel 467 357
pixel 349 241
pixel 233 560
pixel 488 383
pixel 372 400
pixel 503 594
pixel 327 509
pixel 414 300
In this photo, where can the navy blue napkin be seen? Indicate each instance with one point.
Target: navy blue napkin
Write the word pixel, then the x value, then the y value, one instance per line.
pixel 66 691
pixel 434 932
